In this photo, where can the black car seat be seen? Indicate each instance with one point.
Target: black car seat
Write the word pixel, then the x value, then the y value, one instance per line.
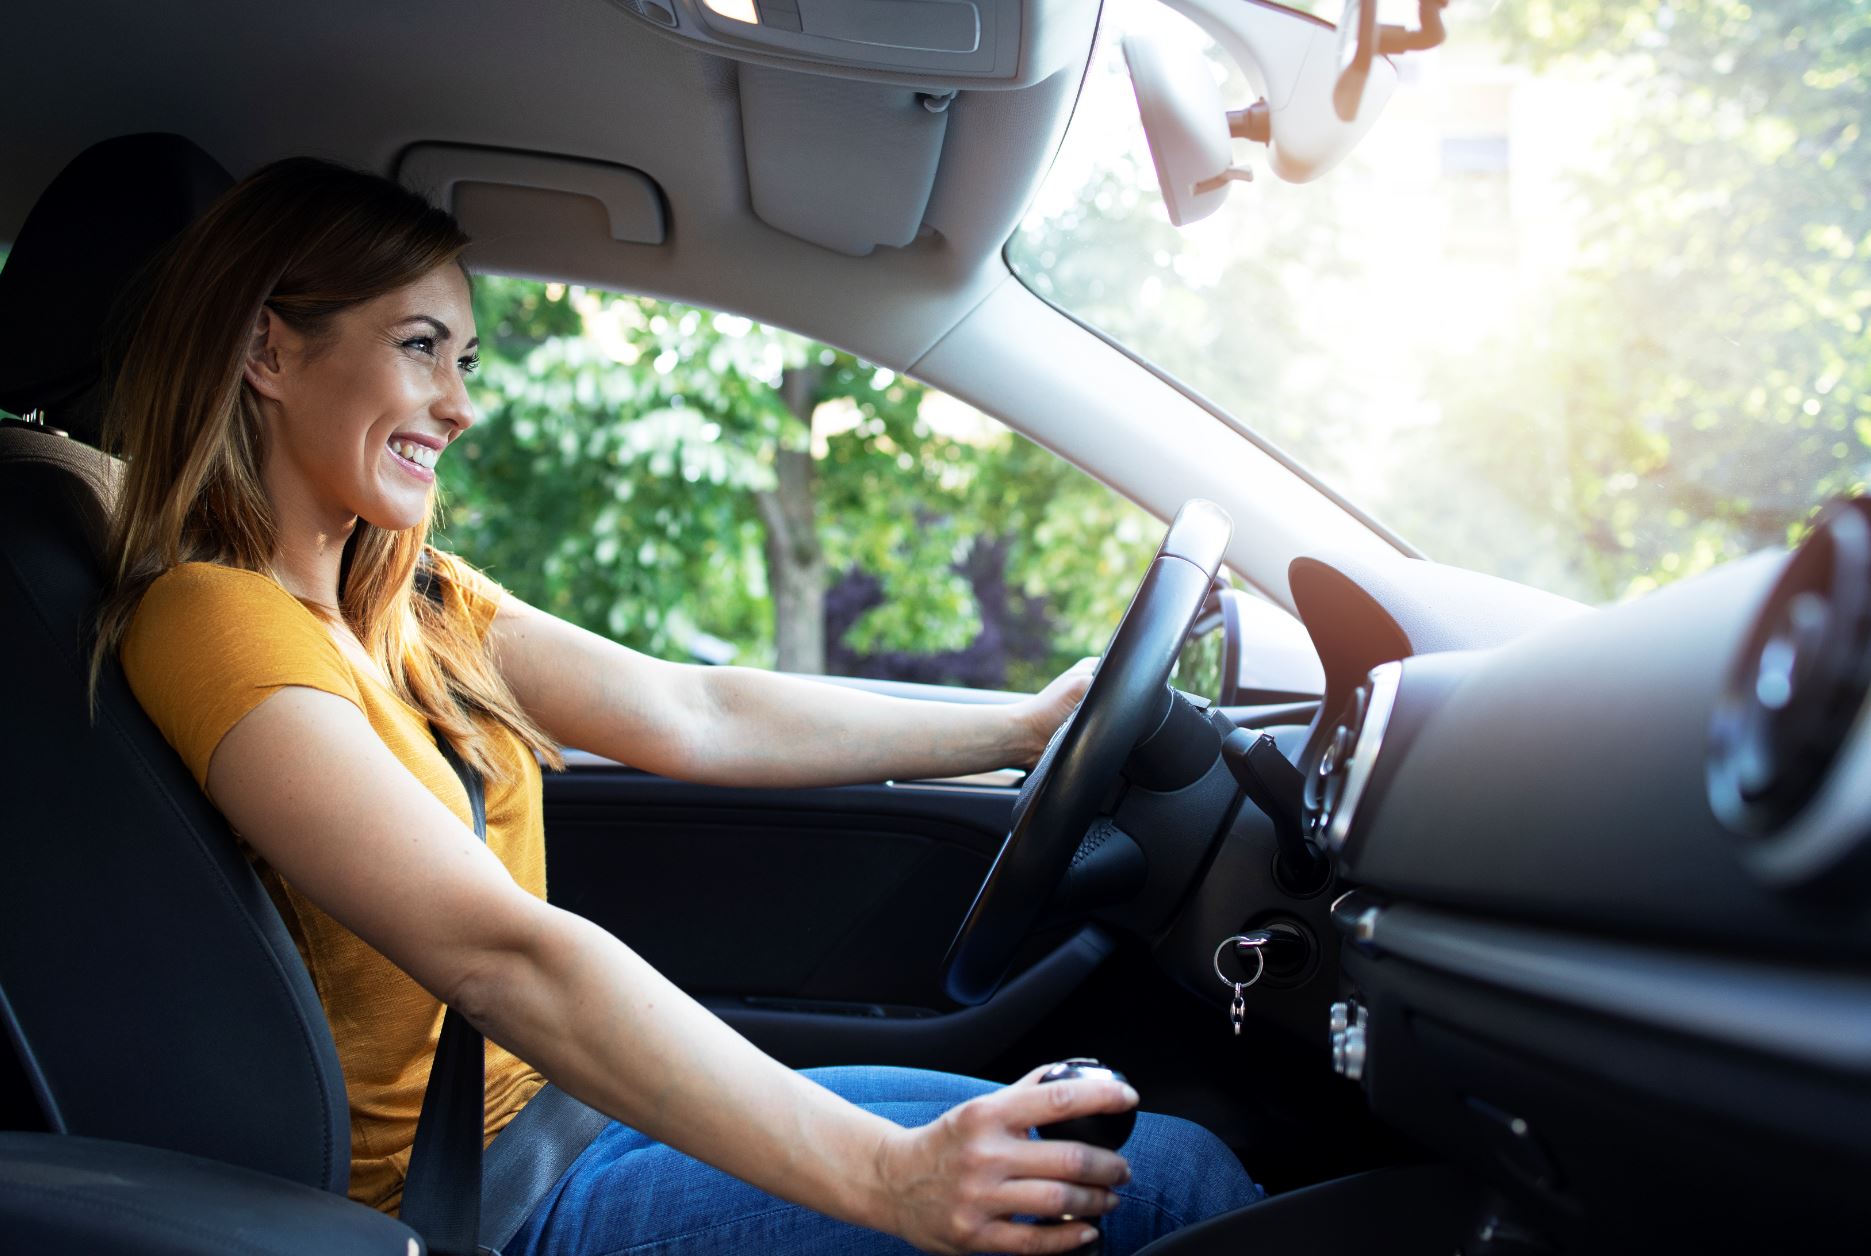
pixel 172 1083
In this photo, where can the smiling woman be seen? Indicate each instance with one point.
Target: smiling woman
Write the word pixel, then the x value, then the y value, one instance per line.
pixel 284 401
pixel 386 363
pixel 287 417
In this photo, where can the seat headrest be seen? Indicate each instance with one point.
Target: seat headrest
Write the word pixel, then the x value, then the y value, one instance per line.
pixel 91 232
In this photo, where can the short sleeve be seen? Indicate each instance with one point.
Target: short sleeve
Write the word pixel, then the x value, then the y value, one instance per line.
pixel 209 643
pixel 470 591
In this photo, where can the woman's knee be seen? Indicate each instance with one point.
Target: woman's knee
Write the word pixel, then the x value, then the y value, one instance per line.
pixel 882 1083
pixel 1185 1170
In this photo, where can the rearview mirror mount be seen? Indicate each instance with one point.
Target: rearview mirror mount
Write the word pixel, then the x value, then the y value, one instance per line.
pixel 1361 41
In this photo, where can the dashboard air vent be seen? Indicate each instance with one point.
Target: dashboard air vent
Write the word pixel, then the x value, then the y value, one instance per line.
pixel 1799 679
pixel 1337 781
pixel 1794 698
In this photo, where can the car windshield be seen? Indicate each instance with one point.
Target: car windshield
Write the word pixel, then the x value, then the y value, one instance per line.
pixel 1586 308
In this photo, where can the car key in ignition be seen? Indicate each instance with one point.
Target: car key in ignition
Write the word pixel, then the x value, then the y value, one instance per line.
pixel 1109 1130
pixel 1244 944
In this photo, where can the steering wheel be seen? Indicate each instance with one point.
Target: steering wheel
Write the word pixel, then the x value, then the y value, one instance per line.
pixel 1128 699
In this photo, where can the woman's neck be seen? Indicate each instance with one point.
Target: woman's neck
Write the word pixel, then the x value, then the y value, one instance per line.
pixel 308 561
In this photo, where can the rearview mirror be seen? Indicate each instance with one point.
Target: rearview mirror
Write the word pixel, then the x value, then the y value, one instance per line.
pixel 1289 58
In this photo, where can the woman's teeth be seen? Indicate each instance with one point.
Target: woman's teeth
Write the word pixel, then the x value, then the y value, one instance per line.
pixel 421 455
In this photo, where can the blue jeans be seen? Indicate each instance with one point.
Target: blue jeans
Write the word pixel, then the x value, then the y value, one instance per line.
pixel 628 1194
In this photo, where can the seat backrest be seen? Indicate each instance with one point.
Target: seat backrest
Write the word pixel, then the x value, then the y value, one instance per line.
pixel 148 987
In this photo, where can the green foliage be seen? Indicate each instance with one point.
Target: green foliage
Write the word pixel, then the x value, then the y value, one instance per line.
pixel 1701 384
pixel 615 475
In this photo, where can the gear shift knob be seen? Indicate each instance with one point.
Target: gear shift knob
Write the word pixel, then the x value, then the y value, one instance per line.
pixel 1104 1129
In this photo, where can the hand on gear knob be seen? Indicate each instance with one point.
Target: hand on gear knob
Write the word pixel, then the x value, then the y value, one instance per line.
pixel 1105 1129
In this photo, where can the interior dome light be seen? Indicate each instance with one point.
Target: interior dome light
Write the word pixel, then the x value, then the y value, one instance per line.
pixel 735 10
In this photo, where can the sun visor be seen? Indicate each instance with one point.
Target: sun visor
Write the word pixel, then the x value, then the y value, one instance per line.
pixel 845 165
pixel 932 44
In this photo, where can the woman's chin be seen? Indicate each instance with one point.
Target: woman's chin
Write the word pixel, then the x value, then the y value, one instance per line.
pixel 397 515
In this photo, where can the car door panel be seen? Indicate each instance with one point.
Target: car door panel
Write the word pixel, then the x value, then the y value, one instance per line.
pixel 813 920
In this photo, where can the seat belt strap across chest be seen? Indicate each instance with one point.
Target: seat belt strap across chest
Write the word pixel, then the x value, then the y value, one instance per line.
pixel 442 1190
pixel 459 1205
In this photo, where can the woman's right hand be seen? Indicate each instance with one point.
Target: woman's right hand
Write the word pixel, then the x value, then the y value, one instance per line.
pixel 952 1186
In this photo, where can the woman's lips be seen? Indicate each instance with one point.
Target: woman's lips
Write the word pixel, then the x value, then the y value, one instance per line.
pixel 415 469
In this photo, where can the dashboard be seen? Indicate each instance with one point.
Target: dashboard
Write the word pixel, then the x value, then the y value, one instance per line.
pixel 1599 925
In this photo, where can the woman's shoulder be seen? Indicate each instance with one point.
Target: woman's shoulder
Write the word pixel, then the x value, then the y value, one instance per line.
pixel 208 643
pixel 196 591
pixel 194 579
pixel 201 611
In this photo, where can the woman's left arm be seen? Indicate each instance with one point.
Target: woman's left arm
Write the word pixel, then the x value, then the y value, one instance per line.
pixel 742 726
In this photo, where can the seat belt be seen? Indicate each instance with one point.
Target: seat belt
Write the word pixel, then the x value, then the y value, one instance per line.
pixel 459 1209
pixel 442 1189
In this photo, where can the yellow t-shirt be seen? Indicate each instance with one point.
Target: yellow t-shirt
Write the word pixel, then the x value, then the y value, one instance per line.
pixel 207 645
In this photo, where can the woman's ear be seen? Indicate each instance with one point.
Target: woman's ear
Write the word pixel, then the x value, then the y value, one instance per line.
pixel 265 367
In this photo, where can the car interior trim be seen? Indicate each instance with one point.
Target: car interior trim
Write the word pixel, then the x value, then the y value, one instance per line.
pixel 1233 422
pixel 632 202
pixel 1190 455
pixel 1815 1018
pixel 998 780
pixel 31 1071
pixel 1367 742
pixel 1829 833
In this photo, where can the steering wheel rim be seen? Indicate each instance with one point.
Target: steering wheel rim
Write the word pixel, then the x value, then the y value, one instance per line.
pixel 1127 700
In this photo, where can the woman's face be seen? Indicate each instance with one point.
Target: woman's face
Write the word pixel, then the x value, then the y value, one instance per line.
pixel 357 418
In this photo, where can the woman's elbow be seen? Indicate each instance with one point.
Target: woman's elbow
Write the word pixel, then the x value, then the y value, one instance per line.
pixel 481 973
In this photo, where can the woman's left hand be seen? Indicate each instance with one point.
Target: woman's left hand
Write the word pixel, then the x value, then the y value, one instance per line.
pixel 1039 716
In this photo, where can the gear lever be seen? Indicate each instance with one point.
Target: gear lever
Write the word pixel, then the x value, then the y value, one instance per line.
pixel 1109 1130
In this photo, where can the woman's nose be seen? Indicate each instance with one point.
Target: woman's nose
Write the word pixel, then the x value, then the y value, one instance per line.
pixel 454 404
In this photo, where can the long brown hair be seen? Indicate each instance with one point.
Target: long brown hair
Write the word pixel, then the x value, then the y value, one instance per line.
pixel 305 239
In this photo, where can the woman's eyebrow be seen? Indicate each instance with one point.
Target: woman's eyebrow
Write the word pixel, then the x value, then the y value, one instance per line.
pixel 441 329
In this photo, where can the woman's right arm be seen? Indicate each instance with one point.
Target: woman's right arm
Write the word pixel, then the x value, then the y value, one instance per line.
pixel 306 780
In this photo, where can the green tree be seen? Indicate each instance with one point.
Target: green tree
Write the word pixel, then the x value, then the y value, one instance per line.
pixel 665 474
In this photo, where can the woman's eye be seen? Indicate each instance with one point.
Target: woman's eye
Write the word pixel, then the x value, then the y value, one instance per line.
pixel 469 366
pixel 421 344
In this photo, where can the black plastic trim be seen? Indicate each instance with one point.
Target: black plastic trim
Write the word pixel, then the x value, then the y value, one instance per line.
pixel 967 1038
pixel 1820 1019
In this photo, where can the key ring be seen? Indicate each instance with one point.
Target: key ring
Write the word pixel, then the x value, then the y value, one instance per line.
pixel 1260 961
pixel 1237 1010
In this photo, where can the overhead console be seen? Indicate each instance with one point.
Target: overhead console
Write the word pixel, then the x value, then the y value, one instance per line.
pixel 939 45
pixel 852 165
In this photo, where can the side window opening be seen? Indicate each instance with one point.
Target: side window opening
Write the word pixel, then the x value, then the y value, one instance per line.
pixel 704 488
